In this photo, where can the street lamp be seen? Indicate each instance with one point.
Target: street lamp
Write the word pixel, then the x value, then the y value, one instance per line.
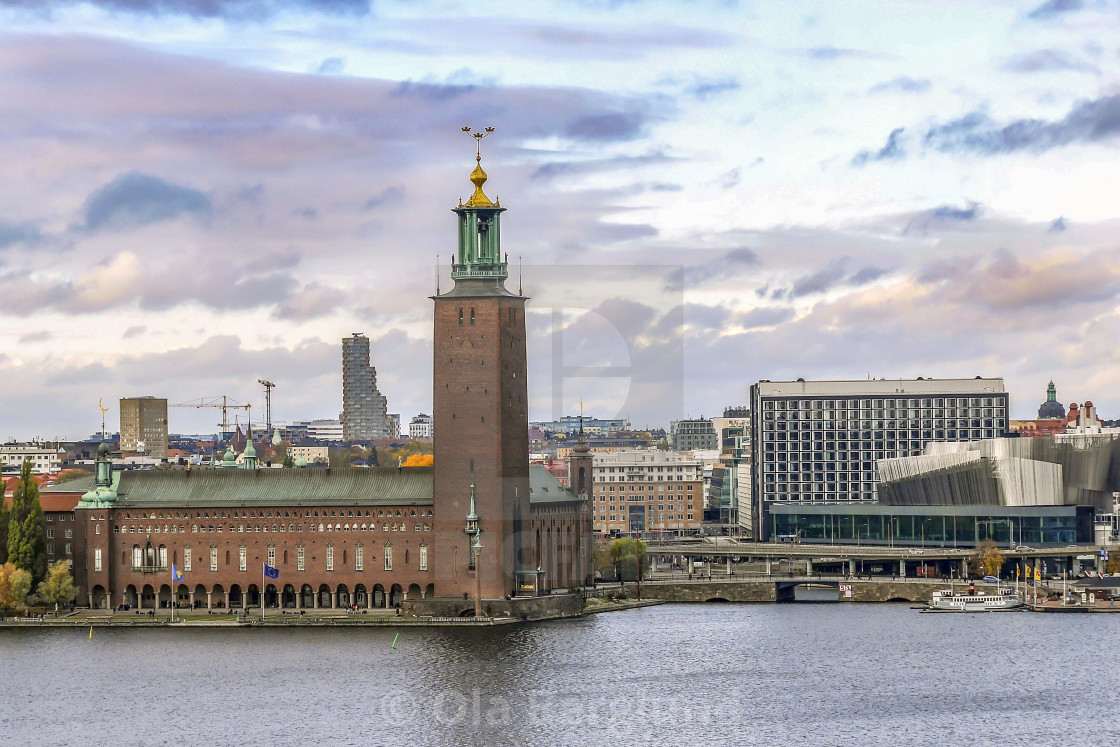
pixel 474 532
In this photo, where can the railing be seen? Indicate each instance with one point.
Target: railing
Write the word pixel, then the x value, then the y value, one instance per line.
pixel 149 569
pixel 498 270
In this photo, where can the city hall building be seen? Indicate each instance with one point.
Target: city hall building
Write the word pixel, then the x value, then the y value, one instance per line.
pixel 479 523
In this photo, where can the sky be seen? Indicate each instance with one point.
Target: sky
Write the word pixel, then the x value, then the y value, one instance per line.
pixel 195 194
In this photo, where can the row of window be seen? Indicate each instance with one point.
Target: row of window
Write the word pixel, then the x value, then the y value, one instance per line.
pixel 69 534
pixel 864 404
pixel 243 529
pixel 660 517
pixel 157 557
pixel 640 488
pixel 68 551
pixel 381 513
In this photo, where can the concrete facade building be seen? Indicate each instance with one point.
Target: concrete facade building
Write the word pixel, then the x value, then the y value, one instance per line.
pixel 819 441
pixel 45 460
pixel 364 415
pixel 691 434
pixel 637 492
pixel 420 426
pixel 144 425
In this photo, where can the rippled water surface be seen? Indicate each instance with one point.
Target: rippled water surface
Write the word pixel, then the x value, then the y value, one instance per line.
pixel 810 674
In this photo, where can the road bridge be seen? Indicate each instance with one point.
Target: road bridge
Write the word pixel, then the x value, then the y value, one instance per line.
pixel 762 589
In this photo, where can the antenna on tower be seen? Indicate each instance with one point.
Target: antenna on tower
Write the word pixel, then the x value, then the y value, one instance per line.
pixel 437 274
pixel 519 283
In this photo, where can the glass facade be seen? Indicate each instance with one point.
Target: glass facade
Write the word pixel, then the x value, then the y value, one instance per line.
pixel 949 526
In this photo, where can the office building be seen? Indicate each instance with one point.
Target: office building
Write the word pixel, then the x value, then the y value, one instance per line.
pixel 692 434
pixel 420 426
pixel 144 426
pixel 818 442
pixel 364 416
pixel 638 492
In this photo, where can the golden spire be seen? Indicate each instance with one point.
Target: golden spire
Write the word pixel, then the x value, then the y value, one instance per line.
pixel 478 176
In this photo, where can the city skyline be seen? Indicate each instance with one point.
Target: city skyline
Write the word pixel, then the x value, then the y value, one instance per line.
pixel 195 199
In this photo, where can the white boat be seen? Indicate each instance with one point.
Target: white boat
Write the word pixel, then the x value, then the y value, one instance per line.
pixel 948 600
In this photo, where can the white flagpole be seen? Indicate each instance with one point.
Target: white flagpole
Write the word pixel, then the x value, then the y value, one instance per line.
pixel 263 566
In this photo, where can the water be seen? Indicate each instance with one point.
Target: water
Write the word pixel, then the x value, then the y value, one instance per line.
pixel 828 674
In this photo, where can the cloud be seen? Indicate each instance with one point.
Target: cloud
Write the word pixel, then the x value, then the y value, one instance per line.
pixel 1055 8
pixel 134 331
pixel 902 84
pixel 729 179
pixel 764 316
pixel 1060 224
pixel 837 53
pixel 893 149
pixel 554 169
pixel 604 127
pixel 331 66
pixel 1089 121
pixel 944 216
pixel 41 335
pixel 833 275
pixel 238 10
pixel 726 265
pixel 136 199
pixel 13 233
pixel 705 88
pixel 387 196
pixel 1048 60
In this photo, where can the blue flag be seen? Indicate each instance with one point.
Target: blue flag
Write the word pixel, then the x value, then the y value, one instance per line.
pixel 176 574
pixel 271 572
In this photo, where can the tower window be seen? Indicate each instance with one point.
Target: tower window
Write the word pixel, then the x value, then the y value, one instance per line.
pixel 460 317
pixel 472 315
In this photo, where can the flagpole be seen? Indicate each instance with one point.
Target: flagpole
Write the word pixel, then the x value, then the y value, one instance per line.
pixel 263 566
pixel 172 592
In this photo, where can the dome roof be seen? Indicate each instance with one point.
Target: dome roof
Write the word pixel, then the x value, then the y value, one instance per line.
pixel 1051 409
pixel 103 449
pixel 249 450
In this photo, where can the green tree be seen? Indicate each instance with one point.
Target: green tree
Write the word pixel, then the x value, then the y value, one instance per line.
pixel 26 548
pixel 15 583
pixel 59 586
pixel 288 461
pixel 5 518
pixel 623 554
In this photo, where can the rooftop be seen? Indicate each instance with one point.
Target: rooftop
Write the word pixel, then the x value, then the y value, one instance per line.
pixel 860 387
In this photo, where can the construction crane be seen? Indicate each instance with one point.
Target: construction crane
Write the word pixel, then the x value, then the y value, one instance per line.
pixel 222 401
pixel 268 385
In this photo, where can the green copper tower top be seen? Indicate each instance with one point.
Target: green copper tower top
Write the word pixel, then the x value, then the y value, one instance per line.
pixel 1051 392
pixel 480 241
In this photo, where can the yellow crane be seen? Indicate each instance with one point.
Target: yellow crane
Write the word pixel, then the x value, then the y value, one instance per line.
pixel 222 401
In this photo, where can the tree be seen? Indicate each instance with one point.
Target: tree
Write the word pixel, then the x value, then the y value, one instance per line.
pixel 15 583
pixel 59 587
pixel 1113 565
pixel 623 555
pixel 987 560
pixel 288 461
pixel 26 548
pixel 5 518
pixel 419 460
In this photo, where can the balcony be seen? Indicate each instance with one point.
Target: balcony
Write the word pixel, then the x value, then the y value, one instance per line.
pixel 149 569
pixel 497 270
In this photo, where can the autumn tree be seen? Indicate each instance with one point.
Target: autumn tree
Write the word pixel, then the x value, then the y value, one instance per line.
pixel 15 583
pixel 26 548
pixel 987 560
pixel 5 518
pixel 58 588
pixel 419 460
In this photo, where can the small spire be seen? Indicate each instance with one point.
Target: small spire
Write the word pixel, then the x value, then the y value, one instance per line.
pixel 478 176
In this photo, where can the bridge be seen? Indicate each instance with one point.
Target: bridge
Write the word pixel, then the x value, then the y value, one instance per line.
pixel 709 558
pixel 764 589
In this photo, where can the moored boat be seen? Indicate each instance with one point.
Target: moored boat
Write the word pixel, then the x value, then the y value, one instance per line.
pixel 948 600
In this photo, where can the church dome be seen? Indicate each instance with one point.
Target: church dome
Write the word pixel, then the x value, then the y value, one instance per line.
pixel 1051 409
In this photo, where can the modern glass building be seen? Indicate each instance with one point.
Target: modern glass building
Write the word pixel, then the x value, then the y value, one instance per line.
pixel 817 442
pixel 364 416
pixel 932 526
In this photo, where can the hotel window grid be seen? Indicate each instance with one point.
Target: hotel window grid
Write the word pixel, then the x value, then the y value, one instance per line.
pixel 359 558
pixel 97 560
pixel 423 557
pixel 299 559
pixel 186 558
pixel 388 557
pixel 271 556
pixel 242 558
pixel 330 558
pixel 213 558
